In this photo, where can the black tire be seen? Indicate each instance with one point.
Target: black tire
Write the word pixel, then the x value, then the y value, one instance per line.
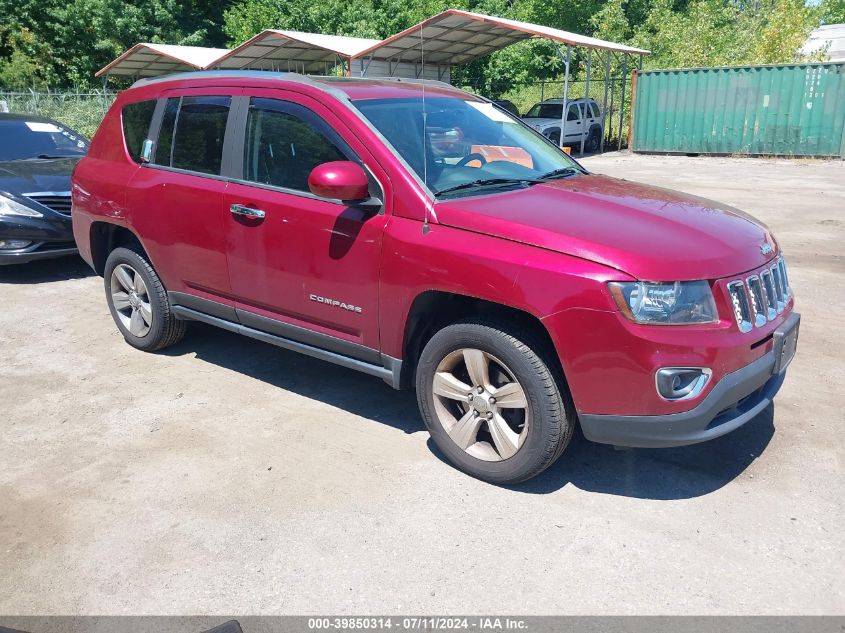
pixel 165 329
pixel 552 417
pixel 593 141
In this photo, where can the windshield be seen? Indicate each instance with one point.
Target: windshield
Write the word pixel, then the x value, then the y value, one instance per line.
pixel 544 111
pixel 21 139
pixel 465 142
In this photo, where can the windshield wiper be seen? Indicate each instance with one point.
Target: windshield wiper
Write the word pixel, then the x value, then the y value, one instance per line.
pixel 560 173
pixel 487 182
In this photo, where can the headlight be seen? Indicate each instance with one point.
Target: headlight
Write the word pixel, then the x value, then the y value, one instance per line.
pixel 10 207
pixel 674 303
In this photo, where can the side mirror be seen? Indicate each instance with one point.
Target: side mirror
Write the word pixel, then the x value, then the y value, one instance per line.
pixel 147 151
pixel 340 180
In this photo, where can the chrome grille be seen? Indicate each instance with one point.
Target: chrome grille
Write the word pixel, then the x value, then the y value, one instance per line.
pixel 739 300
pixel 771 297
pixel 760 297
pixel 779 294
pixel 58 201
pixel 783 277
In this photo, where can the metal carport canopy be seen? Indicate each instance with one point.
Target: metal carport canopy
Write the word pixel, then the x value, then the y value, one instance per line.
pixel 457 37
pixel 292 50
pixel 150 60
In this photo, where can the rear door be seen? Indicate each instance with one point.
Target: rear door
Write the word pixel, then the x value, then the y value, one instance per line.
pixel 177 198
pixel 308 269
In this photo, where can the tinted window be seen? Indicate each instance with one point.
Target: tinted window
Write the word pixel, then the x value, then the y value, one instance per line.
pixel 197 132
pixel 38 138
pixel 282 148
pixel 595 108
pixel 164 145
pixel 136 119
pixel 573 114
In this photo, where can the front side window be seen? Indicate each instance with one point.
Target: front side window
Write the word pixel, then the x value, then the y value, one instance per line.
pixel 573 114
pixel 136 118
pixel 284 142
pixel 192 133
pixel 595 108
pixel 38 139
pixel 465 142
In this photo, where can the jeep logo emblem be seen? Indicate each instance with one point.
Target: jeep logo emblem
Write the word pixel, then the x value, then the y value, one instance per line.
pixel 766 248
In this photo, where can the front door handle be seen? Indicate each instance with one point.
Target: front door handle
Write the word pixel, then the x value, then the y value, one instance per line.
pixel 248 212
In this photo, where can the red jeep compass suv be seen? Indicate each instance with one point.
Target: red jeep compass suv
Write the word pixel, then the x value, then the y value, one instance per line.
pixel 420 234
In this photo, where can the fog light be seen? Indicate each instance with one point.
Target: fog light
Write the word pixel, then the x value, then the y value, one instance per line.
pixel 681 383
pixel 11 245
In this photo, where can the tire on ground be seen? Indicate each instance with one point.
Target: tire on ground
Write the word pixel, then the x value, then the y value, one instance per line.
pixel 552 415
pixel 165 329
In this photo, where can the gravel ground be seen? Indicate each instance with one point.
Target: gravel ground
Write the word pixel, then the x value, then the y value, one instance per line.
pixel 225 476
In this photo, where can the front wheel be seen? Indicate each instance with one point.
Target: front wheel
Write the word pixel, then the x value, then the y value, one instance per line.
pixel 593 141
pixel 491 403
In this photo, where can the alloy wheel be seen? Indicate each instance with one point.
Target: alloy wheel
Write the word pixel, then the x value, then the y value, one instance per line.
pixel 480 404
pixel 131 300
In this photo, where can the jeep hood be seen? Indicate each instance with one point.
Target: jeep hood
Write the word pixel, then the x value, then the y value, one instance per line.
pixel 539 123
pixel 648 232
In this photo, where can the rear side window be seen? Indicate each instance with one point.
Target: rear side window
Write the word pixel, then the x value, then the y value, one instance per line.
pixel 164 146
pixel 192 132
pixel 284 142
pixel 136 119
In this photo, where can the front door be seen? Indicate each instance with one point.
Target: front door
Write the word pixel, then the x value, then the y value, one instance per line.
pixel 575 126
pixel 306 265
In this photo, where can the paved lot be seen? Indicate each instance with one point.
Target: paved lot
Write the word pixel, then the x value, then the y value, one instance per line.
pixel 227 476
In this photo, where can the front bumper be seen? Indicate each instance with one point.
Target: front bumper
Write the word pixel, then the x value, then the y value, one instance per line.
pixel 39 250
pixel 736 399
pixel 50 236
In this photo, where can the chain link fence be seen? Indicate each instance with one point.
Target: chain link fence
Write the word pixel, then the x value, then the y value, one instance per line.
pixel 80 110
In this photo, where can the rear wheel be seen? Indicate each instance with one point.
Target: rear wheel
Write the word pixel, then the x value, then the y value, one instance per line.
pixel 491 403
pixel 138 302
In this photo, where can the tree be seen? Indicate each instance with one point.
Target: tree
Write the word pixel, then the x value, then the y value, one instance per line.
pixel 720 33
pixel 832 11
pixel 66 42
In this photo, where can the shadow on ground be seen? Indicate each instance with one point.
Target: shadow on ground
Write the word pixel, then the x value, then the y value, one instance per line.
pixel 668 473
pixel 44 271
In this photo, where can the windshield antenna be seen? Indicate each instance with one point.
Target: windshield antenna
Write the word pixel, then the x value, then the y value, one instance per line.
pixel 426 228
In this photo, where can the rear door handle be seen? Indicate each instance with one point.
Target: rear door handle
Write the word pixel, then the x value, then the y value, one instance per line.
pixel 248 212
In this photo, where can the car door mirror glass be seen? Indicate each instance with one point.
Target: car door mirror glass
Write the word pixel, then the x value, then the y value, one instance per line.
pixel 147 151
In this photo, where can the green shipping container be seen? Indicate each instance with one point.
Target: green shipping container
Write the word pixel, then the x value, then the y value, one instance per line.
pixel 789 110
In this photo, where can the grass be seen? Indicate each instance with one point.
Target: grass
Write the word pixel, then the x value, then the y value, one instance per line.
pixel 81 111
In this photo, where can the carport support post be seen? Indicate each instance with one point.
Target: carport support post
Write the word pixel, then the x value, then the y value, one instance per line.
pixel 622 98
pixel 604 103
pixel 586 95
pixel 566 61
